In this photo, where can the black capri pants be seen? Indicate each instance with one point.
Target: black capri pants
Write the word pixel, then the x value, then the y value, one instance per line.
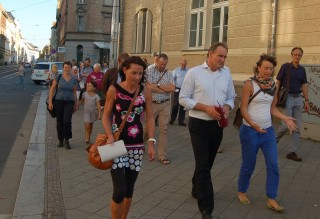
pixel 123 180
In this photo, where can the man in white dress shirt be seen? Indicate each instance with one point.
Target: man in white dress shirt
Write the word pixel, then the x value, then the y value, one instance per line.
pixel 205 87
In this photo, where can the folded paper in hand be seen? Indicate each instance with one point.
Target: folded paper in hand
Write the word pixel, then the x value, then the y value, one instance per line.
pixel 112 151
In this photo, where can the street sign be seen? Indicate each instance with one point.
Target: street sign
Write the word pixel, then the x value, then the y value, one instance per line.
pixel 61 49
pixel 53 51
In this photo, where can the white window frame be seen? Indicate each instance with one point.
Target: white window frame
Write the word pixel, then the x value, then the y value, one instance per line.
pixel 198 12
pixel 141 36
pixel 222 5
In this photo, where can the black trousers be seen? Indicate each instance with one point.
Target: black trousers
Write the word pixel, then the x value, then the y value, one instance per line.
pixel 206 137
pixel 123 180
pixel 64 110
pixel 177 107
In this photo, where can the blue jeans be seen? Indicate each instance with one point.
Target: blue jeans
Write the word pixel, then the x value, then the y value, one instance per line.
pixel 251 141
pixel 21 81
pixel 294 108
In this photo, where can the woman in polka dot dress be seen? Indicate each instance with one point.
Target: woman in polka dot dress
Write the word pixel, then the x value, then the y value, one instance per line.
pixel 125 169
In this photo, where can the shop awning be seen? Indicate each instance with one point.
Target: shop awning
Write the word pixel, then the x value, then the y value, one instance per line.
pixel 102 45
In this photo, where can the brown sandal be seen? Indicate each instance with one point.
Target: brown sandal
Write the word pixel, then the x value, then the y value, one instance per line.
pixel 164 161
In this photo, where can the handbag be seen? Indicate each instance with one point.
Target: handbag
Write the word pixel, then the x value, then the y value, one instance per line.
pixel 238 119
pixel 282 94
pixel 94 156
pixel 53 112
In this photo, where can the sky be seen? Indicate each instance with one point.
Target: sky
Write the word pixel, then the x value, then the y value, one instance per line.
pixel 35 18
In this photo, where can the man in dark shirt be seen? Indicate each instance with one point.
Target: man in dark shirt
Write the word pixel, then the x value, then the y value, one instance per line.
pixel 294 104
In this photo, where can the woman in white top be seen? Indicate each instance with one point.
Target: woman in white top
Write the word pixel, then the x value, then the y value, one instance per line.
pixel 257 131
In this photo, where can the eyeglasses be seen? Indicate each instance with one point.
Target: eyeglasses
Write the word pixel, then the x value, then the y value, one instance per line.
pixel 297 55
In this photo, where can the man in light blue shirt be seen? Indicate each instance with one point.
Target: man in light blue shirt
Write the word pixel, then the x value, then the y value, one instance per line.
pixel 178 77
pixel 204 88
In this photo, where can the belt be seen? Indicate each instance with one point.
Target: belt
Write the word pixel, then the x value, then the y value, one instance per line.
pixel 295 95
pixel 160 101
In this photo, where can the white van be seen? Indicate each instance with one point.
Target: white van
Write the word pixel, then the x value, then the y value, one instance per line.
pixel 41 70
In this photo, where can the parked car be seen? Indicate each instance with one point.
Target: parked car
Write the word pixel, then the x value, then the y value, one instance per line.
pixel 41 70
pixel 27 65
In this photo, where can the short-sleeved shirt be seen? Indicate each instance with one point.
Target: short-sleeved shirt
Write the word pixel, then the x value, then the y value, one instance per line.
pixel 65 88
pixel 90 104
pixel 298 77
pixel 153 76
pixel 97 77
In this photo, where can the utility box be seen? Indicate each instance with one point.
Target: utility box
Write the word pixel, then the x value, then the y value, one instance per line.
pixel 311 120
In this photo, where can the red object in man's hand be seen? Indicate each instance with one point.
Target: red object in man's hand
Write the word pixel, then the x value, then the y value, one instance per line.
pixel 223 122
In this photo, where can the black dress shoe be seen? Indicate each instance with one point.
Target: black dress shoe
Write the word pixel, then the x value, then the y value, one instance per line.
pixel 171 122
pixel 60 145
pixel 182 124
pixel 294 156
pixel 67 145
pixel 206 215
pixel 194 194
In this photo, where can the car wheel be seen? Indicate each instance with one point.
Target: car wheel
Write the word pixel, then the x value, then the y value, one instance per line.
pixel 37 82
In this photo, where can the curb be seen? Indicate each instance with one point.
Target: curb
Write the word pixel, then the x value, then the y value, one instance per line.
pixel 31 193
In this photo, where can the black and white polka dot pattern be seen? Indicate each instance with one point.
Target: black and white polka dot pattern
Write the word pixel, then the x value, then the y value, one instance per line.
pixel 133 160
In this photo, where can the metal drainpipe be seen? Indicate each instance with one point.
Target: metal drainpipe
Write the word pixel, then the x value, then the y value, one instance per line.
pixel 119 28
pixel 161 19
pixel 273 27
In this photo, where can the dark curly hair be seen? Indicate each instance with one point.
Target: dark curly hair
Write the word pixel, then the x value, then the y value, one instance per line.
pixel 127 64
pixel 264 57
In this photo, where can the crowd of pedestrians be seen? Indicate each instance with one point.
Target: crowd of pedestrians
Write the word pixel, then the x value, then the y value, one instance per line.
pixel 163 95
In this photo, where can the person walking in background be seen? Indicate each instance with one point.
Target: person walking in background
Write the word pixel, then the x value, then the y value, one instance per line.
pixel 65 103
pixel 257 131
pixel 125 169
pixel 92 109
pixel 160 82
pixel 105 67
pixel 97 76
pixel 178 77
pixel 112 75
pixel 84 72
pixel 204 88
pixel 21 74
pixel 76 74
pixel 53 73
pixel 294 105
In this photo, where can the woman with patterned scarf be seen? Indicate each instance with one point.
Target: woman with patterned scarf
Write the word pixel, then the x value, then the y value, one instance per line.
pixel 257 131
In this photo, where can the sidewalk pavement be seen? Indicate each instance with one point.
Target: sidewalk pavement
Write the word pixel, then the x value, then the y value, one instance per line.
pixel 60 183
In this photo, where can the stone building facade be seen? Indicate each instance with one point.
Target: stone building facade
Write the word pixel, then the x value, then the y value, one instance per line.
pixel 188 28
pixel 83 28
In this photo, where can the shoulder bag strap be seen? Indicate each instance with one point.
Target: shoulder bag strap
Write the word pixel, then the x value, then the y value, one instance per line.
pixel 165 71
pixel 55 93
pixel 117 133
pixel 252 97
pixel 288 77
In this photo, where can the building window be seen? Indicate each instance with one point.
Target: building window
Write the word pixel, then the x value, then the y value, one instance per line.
pixel 81 1
pixel 220 13
pixel 108 2
pixel 196 23
pixel 79 53
pixel 80 23
pixel 142 32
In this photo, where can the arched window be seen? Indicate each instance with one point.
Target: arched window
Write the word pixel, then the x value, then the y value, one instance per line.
pixel 141 37
pixel 79 53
